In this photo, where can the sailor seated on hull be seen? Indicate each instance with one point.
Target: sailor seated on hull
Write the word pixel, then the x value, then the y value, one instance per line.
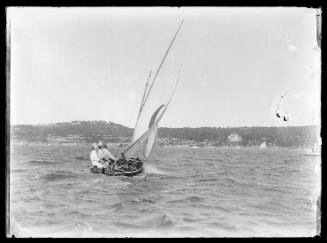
pixel 95 160
pixel 101 157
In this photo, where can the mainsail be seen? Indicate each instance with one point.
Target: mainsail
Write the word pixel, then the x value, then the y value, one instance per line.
pixel 154 103
pixel 142 104
pixel 143 145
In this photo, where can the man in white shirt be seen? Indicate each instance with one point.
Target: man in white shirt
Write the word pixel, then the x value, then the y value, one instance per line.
pixel 95 158
pixel 106 154
pixel 100 151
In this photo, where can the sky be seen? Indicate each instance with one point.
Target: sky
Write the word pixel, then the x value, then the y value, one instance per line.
pixel 92 64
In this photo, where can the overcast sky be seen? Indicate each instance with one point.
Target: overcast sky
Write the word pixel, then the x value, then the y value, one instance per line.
pixel 92 64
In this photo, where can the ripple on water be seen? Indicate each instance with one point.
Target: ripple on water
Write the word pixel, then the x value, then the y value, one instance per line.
pixel 193 199
pixel 160 221
pixel 60 175
pixel 44 162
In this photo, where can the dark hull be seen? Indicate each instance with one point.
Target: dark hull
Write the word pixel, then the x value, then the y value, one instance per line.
pixel 122 167
pixel 115 173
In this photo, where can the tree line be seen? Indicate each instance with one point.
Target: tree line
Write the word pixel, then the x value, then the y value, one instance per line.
pixel 112 132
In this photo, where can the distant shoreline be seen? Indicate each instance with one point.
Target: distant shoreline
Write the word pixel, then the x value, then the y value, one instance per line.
pixel 194 146
pixel 109 122
pixel 92 131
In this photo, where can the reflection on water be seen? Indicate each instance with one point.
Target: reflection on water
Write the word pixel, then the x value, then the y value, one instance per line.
pixel 183 192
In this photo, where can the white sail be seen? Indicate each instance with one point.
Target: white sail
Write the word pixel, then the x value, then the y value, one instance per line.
pixel 263 145
pixel 138 148
pixel 144 144
pixel 156 97
pixel 151 142
pixel 153 135
pixel 142 104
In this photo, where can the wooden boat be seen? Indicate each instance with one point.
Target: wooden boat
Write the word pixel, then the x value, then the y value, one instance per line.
pixel 131 167
pixel 145 131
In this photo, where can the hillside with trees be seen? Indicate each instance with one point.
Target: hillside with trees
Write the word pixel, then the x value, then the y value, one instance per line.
pixel 90 131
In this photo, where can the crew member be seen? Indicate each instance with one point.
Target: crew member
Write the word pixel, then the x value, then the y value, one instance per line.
pixel 106 154
pixel 95 158
pixel 100 151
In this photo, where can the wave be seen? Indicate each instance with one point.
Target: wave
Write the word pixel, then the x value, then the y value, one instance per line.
pixel 208 180
pixel 193 199
pixel 43 162
pixel 131 203
pixel 162 221
pixel 224 226
pixel 60 175
pixel 137 201
pixel 146 210
pixel 77 213
pixel 117 206
pixel 190 220
pixel 149 169
pixel 222 209
pixel 17 170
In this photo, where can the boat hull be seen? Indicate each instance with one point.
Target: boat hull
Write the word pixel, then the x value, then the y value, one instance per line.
pixel 107 172
pixel 135 167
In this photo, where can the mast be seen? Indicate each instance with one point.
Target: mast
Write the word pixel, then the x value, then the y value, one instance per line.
pixel 153 124
pixel 142 102
pixel 162 61
pixel 141 106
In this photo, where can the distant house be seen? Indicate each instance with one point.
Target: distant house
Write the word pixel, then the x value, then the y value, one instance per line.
pixel 76 123
pixel 234 139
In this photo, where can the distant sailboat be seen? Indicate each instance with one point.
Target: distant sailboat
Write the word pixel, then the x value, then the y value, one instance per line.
pixel 263 145
pixel 315 150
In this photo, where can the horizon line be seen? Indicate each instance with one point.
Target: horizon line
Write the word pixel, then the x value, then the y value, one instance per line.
pixel 37 124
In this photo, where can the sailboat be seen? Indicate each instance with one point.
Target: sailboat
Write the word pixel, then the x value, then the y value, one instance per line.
pixel 315 150
pixel 263 145
pixel 146 128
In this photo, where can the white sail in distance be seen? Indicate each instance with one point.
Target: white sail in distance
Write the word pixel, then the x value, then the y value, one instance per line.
pixel 263 145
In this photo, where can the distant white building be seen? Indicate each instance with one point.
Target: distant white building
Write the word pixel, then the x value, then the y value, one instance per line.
pixel 76 123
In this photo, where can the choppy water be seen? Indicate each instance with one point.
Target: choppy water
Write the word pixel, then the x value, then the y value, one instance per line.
pixel 184 192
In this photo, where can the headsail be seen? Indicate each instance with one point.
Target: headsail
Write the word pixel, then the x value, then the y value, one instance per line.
pixel 151 142
pixel 154 135
pixel 137 147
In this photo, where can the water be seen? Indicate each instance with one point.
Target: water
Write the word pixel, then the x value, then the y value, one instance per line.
pixel 184 192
